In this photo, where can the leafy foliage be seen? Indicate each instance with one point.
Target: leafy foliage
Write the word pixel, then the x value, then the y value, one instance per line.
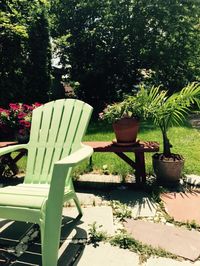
pixel 95 234
pixel 16 22
pixel 121 211
pixel 171 110
pixel 134 105
pixel 39 67
pixel 112 45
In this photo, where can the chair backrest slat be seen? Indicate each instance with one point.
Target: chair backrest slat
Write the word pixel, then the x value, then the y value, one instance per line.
pixel 57 130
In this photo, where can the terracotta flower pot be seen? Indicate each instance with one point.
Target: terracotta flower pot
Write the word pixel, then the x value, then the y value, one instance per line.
pixel 126 129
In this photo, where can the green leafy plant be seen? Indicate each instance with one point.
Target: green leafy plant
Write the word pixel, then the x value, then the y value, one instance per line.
pixel 123 240
pixel 167 111
pixel 131 106
pixel 95 234
pixel 121 211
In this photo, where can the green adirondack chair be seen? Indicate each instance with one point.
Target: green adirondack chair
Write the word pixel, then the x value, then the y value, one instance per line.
pixel 54 148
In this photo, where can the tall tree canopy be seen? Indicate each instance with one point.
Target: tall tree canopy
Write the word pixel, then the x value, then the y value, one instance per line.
pixel 112 44
pixel 108 46
pixel 19 21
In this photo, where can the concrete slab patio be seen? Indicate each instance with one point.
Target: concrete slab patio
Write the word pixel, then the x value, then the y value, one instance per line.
pixel 178 241
pixel 107 255
pixel 95 203
pixel 103 216
pixel 167 262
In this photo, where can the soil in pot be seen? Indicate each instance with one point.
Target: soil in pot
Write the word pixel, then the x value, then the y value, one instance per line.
pixel 168 170
pixel 126 130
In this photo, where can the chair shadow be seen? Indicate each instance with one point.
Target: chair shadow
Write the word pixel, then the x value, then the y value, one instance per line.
pixel 71 249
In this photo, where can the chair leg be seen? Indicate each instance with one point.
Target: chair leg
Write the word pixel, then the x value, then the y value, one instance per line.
pixel 78 205
pixel 50 238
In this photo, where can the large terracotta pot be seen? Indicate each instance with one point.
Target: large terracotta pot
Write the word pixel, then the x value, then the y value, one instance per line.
pixel 168 171
pixel 126 130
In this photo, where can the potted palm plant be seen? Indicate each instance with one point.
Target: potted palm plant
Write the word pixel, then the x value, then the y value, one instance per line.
pixel 165 112
pixel 124 117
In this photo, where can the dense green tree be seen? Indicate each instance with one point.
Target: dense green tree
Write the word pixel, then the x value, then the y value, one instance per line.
pixel 111 44
pixel 39 68
pixel 16 18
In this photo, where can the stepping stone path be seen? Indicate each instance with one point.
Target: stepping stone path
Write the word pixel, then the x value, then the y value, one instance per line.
pixel 193 180
pixel 106 255
pixel 179 241
pixel 167 262
pixel 103 217
pixel 183 207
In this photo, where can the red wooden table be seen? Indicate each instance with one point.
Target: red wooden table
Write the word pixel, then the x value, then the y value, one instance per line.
pixel 138 149
pixel 8 164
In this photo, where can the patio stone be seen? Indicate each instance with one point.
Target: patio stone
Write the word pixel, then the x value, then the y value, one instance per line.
pixel 103 217
pixel 88 199
pixel 183 207
pixel 106 255
pixel 101 179
pixel 193 180
pixel 167 262
pixel 139 201
pixel 179 241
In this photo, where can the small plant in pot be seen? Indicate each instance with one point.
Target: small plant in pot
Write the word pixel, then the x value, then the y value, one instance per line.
pixel 125 117
pixel 165 112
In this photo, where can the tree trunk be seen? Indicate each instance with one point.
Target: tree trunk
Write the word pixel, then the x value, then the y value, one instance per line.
pixel 166 145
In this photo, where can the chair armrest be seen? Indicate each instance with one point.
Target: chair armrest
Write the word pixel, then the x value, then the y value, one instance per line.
pixel 12 148
pixel 71 160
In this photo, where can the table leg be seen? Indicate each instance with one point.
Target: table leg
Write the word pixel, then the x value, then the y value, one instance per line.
pixel 140 172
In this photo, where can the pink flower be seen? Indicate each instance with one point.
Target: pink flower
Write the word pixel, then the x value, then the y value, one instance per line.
pixel 21 115
pixel 14 106
pixel 4 112
pixel 25 123
pixel 37 104
pixel 28 107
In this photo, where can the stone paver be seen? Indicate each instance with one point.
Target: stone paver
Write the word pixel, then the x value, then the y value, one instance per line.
pixel 89 199
pixel 103 216
pixel 139 201
pixel 179 241
pixel 106 255
pixel 169 262
pixel 193 180
pixel 183 207
pixel 101 180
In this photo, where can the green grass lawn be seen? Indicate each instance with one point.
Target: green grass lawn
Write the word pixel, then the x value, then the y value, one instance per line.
pixel 185 140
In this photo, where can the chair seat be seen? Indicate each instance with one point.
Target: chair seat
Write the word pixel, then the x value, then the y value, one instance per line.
pixel 19 196
pixel 25 195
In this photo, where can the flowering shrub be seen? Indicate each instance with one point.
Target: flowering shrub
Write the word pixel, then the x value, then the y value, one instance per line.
pixel 17 118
